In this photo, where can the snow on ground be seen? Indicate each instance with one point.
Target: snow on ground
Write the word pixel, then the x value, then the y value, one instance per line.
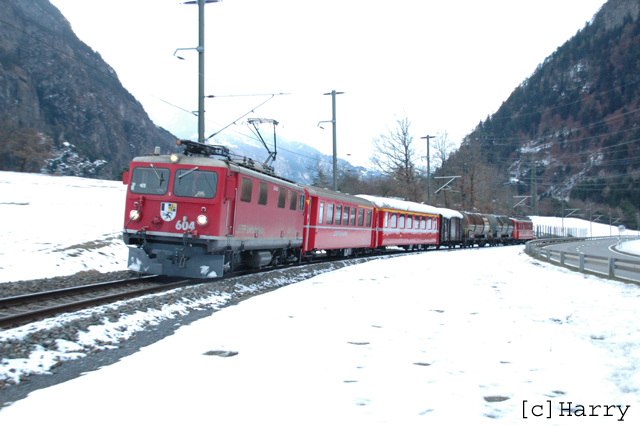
pixel 387 342
pixel 59 226
pixel 481 336
pixel 598 229
pixel 631 247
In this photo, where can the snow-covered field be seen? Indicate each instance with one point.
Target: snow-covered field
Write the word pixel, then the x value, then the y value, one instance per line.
pixel 483 336
pixel 59 226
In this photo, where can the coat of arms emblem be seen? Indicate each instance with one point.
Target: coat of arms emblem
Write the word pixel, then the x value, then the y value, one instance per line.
pixel 168 211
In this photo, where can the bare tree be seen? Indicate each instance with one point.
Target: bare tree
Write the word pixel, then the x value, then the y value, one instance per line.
pixel 23 149
pixel 394 155
pixel 442 147
pixel 475 189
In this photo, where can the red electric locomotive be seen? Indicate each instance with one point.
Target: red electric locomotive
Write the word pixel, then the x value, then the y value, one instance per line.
pixel 191 214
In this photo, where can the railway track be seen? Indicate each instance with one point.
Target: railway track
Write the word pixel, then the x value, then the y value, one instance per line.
pixel 26 308
pixel 22 309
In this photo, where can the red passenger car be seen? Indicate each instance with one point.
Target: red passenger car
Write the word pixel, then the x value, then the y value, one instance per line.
pixel 337 223
pixel 404 223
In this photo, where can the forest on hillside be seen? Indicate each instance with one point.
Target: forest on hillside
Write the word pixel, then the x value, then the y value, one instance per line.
pixel 568 136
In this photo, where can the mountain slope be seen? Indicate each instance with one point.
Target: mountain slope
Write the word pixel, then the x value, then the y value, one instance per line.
pixel 52 82
pixel 569 133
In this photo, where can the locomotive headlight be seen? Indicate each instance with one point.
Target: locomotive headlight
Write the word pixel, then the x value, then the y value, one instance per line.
pixel 174 158
pixel 202 220
pixel 134 215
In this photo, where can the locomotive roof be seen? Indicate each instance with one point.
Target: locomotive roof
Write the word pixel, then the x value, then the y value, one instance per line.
pixel 390 203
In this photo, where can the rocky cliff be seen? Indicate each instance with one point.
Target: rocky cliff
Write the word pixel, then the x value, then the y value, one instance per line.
pixel 52 82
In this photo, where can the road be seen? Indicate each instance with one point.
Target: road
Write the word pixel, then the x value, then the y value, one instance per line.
pixel 604 248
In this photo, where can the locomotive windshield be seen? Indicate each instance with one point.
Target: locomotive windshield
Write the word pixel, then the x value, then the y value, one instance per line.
pixel 150 180
pixel 195 183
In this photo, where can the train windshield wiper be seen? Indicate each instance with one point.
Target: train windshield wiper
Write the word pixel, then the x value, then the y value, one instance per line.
pixel 160 178
pixel 180 176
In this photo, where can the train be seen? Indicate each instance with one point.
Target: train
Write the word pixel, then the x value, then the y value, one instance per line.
pixel 202 213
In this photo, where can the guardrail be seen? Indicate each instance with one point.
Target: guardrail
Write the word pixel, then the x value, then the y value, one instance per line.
pixel 534 248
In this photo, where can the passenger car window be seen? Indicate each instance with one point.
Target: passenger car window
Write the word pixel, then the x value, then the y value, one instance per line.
pixel 368 223
pixel 360 217
pixel 401 221
pixel 263 193
pixel 321 213
pixel 409 222
pixel 245 191
pixel 353 216
pixel 282 197
pixel 338 214
pixel 150 180
pixel 394 220
pixel 423 223
pixel 330 214
pixel 195 183
pixel 294 200
pixel 301 203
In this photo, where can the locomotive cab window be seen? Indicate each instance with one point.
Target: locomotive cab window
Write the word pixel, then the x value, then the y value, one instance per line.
pixel 263 193
pixel 195 183
pixel 301 203
pixel 149 180
pixel 245 191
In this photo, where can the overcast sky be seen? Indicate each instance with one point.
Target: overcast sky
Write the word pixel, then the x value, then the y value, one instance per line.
pixel 445 64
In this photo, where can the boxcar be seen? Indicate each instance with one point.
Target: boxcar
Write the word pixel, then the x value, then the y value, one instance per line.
pixel 522 229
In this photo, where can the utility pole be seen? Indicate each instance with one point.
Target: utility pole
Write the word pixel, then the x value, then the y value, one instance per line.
pixel 534 186
pixel 428 169
pixel 335 143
